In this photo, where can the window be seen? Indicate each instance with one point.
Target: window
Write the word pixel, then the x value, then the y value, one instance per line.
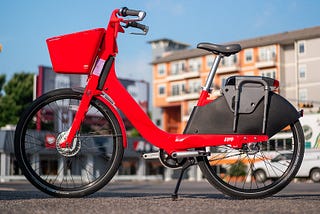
pixel 267 53
pixel 302 71
pixel 209 60
pixel 303 95
pixel 269 73
pixel 194 86
pixel 177 89
pixel 301 47
pixel 248 54
pixel 229 61
pixel 161 69
pixel 177 67
pixel 195 64
pixel 161 90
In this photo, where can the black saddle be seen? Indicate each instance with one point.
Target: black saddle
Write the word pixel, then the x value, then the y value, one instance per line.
pixel 225 50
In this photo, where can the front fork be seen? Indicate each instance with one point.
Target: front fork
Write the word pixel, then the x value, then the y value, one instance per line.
pixel 89 92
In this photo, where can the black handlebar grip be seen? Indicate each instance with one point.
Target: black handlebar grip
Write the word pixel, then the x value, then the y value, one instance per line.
pixel 127 12
pixel 136 25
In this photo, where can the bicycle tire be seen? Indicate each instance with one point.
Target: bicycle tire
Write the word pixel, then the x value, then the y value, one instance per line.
pixel 221 175
pixel 78 172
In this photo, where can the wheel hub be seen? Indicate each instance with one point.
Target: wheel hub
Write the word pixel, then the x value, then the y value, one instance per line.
pixel 251 148
pixel 68 151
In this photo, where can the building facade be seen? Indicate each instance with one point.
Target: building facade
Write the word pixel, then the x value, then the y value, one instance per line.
pixel 289 57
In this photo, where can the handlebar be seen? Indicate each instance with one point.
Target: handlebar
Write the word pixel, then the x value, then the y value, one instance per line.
pixel 124 12
pixel 133 22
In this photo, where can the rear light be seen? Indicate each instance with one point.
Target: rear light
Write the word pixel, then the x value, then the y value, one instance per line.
pixel 275 85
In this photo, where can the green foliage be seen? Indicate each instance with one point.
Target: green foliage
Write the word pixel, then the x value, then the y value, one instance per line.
pixel 2 81
pixel 18 92
pixel 237 169
pixel 134 133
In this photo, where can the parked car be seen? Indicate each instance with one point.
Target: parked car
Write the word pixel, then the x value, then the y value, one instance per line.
pixel 310 167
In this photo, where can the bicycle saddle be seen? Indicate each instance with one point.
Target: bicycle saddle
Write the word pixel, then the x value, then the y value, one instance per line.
pixel 225 50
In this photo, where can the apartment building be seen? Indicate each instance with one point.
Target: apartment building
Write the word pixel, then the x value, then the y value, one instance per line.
pixel 291 57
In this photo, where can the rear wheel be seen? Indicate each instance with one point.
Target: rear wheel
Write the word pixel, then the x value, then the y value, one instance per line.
pixel 84 168
pixel 236 173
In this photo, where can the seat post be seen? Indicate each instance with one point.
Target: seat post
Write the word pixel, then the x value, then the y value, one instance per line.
pixel 212 73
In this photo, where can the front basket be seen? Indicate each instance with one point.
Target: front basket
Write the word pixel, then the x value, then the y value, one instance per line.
pixel 75 53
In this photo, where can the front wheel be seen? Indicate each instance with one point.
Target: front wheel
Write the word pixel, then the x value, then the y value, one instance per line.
pixel 238 172
pixel 88 165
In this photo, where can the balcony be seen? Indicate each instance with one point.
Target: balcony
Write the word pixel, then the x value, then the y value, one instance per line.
pixel 228 68
pixel 266 62
pixel 180 75
pixel 183 96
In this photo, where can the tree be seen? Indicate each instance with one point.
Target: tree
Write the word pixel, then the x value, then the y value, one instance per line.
pixel 2 82
pixel 18 92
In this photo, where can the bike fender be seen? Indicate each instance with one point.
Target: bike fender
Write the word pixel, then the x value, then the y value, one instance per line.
pixel 114 110
pixel 281 113
pixel 217 118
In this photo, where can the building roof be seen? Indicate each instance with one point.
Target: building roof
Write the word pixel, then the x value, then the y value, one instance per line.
pixel 280 38
pixel 168 40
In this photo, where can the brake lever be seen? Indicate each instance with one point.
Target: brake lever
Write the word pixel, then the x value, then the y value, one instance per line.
pixel 134 24
pixel 144 31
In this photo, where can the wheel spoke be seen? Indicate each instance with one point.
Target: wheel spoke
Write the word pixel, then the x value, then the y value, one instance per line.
pixel 252 171
pixel 80 169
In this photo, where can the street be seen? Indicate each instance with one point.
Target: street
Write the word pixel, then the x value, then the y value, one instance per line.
pixel 155 197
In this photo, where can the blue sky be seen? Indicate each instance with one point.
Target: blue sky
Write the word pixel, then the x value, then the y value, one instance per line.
pixel 25 25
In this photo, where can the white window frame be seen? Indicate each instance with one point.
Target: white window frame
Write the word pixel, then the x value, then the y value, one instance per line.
pixel 230 60
pixel 303 68
pixel 158 91
pixel 267 53
pixel 209 61
pixel 162 69
pixel 178 67
pixel 181 88
pixel 302 42
pixel 269 73
pixel 195 64
pixel 248 52
pixel 303 95
pixel 194 86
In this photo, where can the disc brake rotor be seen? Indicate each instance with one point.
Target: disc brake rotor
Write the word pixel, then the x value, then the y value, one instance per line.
pixel 68 151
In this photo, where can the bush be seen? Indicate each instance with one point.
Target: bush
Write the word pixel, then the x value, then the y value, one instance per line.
pixel 238 169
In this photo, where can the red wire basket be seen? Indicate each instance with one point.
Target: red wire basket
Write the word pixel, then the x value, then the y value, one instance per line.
pixel 75 53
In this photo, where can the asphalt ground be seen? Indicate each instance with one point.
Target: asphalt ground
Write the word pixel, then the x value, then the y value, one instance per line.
pixel 155 197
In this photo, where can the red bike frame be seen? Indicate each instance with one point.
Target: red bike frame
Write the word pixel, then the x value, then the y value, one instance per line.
pixel 119 98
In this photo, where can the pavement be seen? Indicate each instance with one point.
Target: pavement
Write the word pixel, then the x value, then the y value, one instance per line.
pixel 155 197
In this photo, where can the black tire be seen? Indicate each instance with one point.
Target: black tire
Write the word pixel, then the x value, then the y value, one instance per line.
pixel 246 186
pixel 85 169
pixel 315 175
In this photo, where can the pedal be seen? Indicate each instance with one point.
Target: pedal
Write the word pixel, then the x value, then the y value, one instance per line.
pixel 152 155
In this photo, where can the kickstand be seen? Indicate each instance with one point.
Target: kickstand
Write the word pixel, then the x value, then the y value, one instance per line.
pixel 190 162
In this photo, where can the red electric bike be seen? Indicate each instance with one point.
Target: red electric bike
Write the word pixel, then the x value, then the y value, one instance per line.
pixel 226 137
